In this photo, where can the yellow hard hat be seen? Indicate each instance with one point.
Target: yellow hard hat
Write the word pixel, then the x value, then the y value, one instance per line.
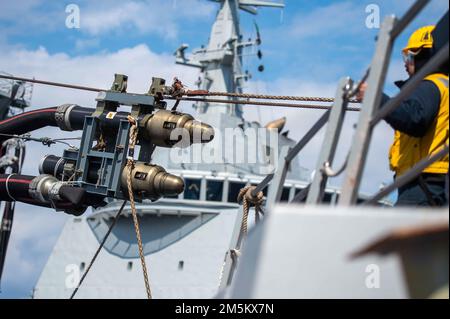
pixel 421 38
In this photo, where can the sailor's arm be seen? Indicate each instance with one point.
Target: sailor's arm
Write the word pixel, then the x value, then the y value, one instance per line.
pixel 415 114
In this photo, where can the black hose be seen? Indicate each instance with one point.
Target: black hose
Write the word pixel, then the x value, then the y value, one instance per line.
pixel 108 120
pixel 77 115
pixel 52 165
pixel 28 121
pixel 36 119
pixel 15 187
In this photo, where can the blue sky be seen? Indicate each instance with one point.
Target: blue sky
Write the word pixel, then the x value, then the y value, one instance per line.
pixel 307 47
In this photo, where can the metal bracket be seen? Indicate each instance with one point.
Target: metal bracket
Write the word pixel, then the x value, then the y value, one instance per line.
pixel 62 116
pixel 110 160
pixel 120 83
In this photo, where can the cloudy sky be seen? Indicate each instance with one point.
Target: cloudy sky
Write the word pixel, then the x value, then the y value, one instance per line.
pixel 307 48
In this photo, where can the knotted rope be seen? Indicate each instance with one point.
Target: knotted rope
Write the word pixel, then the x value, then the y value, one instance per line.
pixel 248 200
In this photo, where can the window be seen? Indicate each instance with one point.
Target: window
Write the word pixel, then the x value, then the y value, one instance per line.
pixel 192 189
pixel 285 194
pixel 233 191
pixel 214 190
pixel 327 197
pixel 298 190
pixel 360 200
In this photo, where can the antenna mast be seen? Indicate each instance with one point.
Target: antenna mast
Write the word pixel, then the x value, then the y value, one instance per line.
pixel 220 61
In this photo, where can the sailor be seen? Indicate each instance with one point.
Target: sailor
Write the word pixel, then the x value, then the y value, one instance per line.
pixel 421 126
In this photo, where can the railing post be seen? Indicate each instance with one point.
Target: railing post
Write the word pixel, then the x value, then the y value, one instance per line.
pixel 331 140
pixel 371 103
pixel 276 186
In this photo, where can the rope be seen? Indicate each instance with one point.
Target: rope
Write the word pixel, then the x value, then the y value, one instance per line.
pixel 130 166
pixel 259 103
pixel 245 195
pixel 275 97
pixel 99 249
pixel 179 86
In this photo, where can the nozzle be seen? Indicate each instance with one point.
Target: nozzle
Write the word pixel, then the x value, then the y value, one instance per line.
pixel 152 181
pixel 200 132
pixel 277 124
pixel 167 128
pixel 47 189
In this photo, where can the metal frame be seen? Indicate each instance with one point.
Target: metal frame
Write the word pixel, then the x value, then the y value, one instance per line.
pixel 331 140
pixel 112 162
pixel 113 157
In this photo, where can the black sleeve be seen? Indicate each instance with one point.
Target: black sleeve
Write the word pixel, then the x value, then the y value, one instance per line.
pixel 416 114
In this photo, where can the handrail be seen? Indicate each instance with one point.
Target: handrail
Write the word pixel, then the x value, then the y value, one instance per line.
pixel 413 11
pixel 296 149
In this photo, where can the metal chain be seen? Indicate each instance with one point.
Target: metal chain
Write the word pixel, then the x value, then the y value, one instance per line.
pixel 99 249
pixel 130 166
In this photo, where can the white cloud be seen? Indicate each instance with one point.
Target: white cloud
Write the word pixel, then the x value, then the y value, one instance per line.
pixel 97 70
pixel 145 17
pixel 126 17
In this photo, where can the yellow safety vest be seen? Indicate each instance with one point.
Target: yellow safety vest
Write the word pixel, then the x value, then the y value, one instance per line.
pixel 407 150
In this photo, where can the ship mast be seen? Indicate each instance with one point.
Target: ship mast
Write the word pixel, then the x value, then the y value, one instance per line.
pixel 220 62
